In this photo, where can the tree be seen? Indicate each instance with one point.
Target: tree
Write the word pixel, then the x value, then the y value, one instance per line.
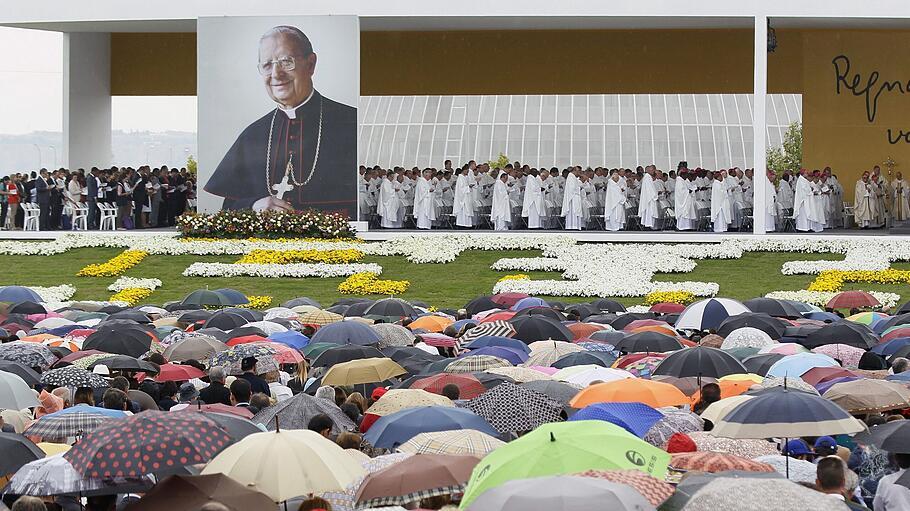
pixel 788 156
pixel 191 165
pixel 500 162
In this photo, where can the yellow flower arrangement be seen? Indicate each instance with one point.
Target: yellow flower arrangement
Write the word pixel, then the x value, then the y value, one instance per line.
pixel 518 276
pixel 257 302
pixel 833 280
pixel 683 297
pixel 369 284
pixel 302 256
pixel 131 295
pixel 115 266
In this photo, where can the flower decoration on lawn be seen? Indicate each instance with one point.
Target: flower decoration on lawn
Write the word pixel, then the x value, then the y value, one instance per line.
pixel 683 297
pixel 342 256
pixel 257 302
pixel 265 224
pixel 134 283
pixel 833 280
pixel 517 276
pixel 820 298
pixel 369 284
pixel 296 270
pixel 114 266
pixel 131 295
pixel 54 294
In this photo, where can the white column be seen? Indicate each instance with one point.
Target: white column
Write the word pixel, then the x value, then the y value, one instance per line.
pixel 759 98
pixel 86 100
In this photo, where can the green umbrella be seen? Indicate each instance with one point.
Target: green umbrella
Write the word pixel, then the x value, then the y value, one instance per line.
pixel 315 349
pixel 566 448
pixel 206 297
pixel 742 352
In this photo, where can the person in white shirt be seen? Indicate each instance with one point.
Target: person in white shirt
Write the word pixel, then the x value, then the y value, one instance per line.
pixel 891 496
pixel 819 200
pixel 463 199
pixel 734 188
pixel 648 210
pixel 533 204
pixel 424 201
pixel 573 202
pixel 501 210
pixel 721 208
pixel 684 204
pixel 615 203
pixel 390 209
pixel 748 191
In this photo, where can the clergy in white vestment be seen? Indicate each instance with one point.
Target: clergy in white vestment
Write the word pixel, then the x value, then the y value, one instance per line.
pixel 463 200
pixel 820 200
pixel 770 202
pixel 615 204
pixel 648 210
pixel 748 189
pixel 901 197
pixel 785 191
pixel 448 189
pixel 880 205
pixel 684 201
pixel 862 202
pixel 721 207
pixel 735 189
pixel 501 211
pixel 837 198
pixel 533 204
pixel 803 205
pixel 425 201
pixel 573 202
pixel 389 208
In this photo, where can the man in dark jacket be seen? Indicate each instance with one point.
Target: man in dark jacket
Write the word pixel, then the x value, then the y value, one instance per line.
pixel 257 384
pixel 216 392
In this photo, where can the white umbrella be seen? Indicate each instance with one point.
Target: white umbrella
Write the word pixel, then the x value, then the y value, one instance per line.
pixel 280 312
pixel 718 409
pixel 15 393
pixel 53 322
pixel 604 374
pixel 267 326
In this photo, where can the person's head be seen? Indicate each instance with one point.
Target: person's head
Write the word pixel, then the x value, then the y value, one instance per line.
pixel 287 64
pixel 248 364
pixel 157 358
pixel 101 503
pixel 357 399
pixel 710 393
pixel 217 375
pixel 899 365
pixel 349 440
pixel 825 446
pixel 260 401
pixel 84 395
pixel 352 411
pixel 321 424
pixel 830 476
pixel 169 390
pixel 64 394
pixel 798 449
pixel 437 502
pixel 451 391
pixel 314 503
pixel 902 460
pixel 326 392
pixel 340 396
pixel 120 383
pixel 27 503
pixel 187 393
pixel 240 391
pixel 115 399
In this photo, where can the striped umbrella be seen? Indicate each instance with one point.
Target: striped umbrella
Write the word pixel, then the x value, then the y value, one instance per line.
pixel 708 314
pixel 66 425
pixel 320 318
pixel 496 328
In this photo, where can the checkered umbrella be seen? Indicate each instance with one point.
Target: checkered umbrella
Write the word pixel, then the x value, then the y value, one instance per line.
pixel 416 478
pixel 512 409
pixel 393 335
pixel 30 354
pixel 458 442
pixel 476 363
pixel 72 376
pixel 66 425
pixel 320 318
pixel 652 489
pixel 55 475
pixel 344 500
pixel 497 328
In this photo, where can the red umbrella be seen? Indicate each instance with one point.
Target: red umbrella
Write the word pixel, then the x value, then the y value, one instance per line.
pixel 498 316
pixel 507 299
pixel 581 330
pixel 851 299
pixel 246 339
pixel 667 308
pixel 897 333
pixel 438 340
pixel 627 360
pixel 638 323
pixel 817 375
pixel 469 386
pixel 284 353
pixel 175 372
pixel 222 408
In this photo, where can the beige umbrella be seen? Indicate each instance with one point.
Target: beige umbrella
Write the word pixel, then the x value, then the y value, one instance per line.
pixel 398 399
pixel 544 353
pixel 320 318
pixel 170 321
pixel 718 409
pixel 743 447
pixel 519 374
pixel 287 464
pixel 364 370
pixel 303 309
pixel 868 396
pixel 462 441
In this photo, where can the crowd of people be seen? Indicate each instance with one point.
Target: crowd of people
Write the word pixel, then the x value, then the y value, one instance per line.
pixel 518 196
pixel 144 197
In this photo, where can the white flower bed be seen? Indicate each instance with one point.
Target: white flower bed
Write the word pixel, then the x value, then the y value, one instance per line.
pixel 133 282
pixel 54 294
pixel 296 270
pixel 820 298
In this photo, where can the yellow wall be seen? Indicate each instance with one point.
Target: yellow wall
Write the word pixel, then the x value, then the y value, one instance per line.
pixel 159 64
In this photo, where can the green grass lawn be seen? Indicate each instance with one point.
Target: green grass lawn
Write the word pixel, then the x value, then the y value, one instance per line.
pixel 441 285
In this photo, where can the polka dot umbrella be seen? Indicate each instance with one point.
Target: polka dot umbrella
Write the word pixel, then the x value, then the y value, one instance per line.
pixel 148 443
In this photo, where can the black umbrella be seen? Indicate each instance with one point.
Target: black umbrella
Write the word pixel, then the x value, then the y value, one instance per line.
pixel 27 307
pixel 217 333
pixel 295 413
pixel 647 341
pixel 607 305
pixel 545 312
pixel 622 321
pixel 244 331
pixel 583 310
pixel 491 380
pixel 303 300
pixel 126 363
pixel 699 361
pixel 842 332
pixel 555 390
pixel 893 437
pixel 132 315
pixel 609 336
pixel 110 309
pixel 480 304
pixel 772 307
pixel 539 328
pixel 603 319
pixel 345 353
pixel 17 451
pixel 250 314
pixel 233 296
pixel 338 309
pixel 399 353
pixel 437 366
pixel 904 308
pixel 556 304
pixel 206 297
pixel 236 426
pixel 72 376
pixel 579 358
pixel 194 316
pixel 358 309
pixel 774 327
pixel 132 340
pixel 392 307
pixel 761 363
pixel 28 374
pixel 177 306
pixel 418 364
pixel 60 351
pixel 225 320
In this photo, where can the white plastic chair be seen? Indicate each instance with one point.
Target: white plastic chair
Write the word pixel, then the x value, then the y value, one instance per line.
pixel 31 214
pixel 108 215
pixel 79 218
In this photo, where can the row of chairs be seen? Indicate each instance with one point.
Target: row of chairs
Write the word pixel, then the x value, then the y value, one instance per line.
pixel 78 216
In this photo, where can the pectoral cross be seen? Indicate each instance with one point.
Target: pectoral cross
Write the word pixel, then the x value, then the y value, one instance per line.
pixel 285 184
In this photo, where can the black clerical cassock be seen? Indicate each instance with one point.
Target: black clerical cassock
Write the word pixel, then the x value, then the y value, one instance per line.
pixel 242 179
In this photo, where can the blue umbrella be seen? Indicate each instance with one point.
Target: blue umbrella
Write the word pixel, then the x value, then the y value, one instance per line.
pixel 798 364
pixel 15 294
pixel 486 341
pixel 787 414
pixel 822 316
pixel 514 356
pixel 825 385
pixel 890 346
pixel 530 301
pixel 346 332
pixel 233 296
pixel 60 331
pixel 291 338
pixel 708 314
pixel 461 323
pixel 395 429
pixel 636 418
pixel 116 414
pixel 904 377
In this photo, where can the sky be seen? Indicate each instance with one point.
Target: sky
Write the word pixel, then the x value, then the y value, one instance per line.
pixel 31 91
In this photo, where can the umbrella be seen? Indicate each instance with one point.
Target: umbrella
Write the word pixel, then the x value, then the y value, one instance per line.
pixel 468 385
pixel 538 328
pixel 510 408
pixel 206 297
pixel 396 400
pixel 129 315
pixel 303 300
pixel 26 307
pixel 494 328
pixel 485 303
pixel 392 307
pixel 192 492
pixel 798 471
pixel 773 384
pixel 513 355
pixel 366 370
pixel 608 305
pixel 699 361
pixel 886 348
pixel 28 354
pixel 125 363
pixel 55 475
pixel 72 376
pixel 224 320
pixel 797 365
pixel 582 330
pixel 29 375
pixel 772 307
pixel 519 374
pixel 431 323
pixel 295 413
pixel 415 478
pixel 287 463
pixel 393 335
pixel 565 448
pixel 747 494
pixel 667 308
pixel 231 296
pixel 842 332
pixel 556 391
pixel 688 385
pixel 561 493
pixel 896 332
pixel 195 347
pixel 869 396
pixel 654 490
pixel 63 425
pixel 15 393
pixel 345 353
pixel 14 294
pixel 631 390
pixel 772 326
pixel 851 299
pixel 475 363
pixel 716 462
pixel 784 348
pixel 719 409
pixel 673 421
pixel 647 342
pixel 231 358
pixel 788 414
pixel 529 301
pixel 744 447
pixel 893 437
pixel 395 429
pixel 601 358
pixel 488 341
pixel 849 356
pixel 708 314
pixel 636 418
pixel 596 373
pixel 177 372
pixel 347 332
pixel 746 337
pixel 544 353
pixel 457 442
pixel 132 340
pixel 17 451
pixel 290 338
pixel 235 424
pixel 817 375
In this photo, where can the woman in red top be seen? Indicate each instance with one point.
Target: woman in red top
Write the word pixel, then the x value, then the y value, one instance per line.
pixel 12 191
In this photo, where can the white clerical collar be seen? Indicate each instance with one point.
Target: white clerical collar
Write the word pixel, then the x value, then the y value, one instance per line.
pixel 292 112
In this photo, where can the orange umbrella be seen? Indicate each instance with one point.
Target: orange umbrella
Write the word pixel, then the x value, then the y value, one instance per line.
pixel 630 390
pixel 728 388
pixel 661 329
pixel 39 337
pixel 638 323
pixel 580 330
pixel 431 323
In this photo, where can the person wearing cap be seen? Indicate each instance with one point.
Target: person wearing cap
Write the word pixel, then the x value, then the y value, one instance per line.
pixel 862 202
pixel 825 446
pixel 369 418
pixel 257 384
pixel 187 395
pixel 798 449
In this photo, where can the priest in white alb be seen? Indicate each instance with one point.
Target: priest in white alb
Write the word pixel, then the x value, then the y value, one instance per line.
pixel 770 202
pixel 721 207
pixel 533 204
pixel 648 210
pixel 803 204
pixel 389 208
pixel 573 202
pixel 863 196
pixel 501 210
pixel 615 203
pixel 425 201
pixel 900 191
pixel 463 200
pixel 684 201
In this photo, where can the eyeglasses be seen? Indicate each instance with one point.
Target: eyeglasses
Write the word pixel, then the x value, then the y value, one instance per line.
pixel 286 63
